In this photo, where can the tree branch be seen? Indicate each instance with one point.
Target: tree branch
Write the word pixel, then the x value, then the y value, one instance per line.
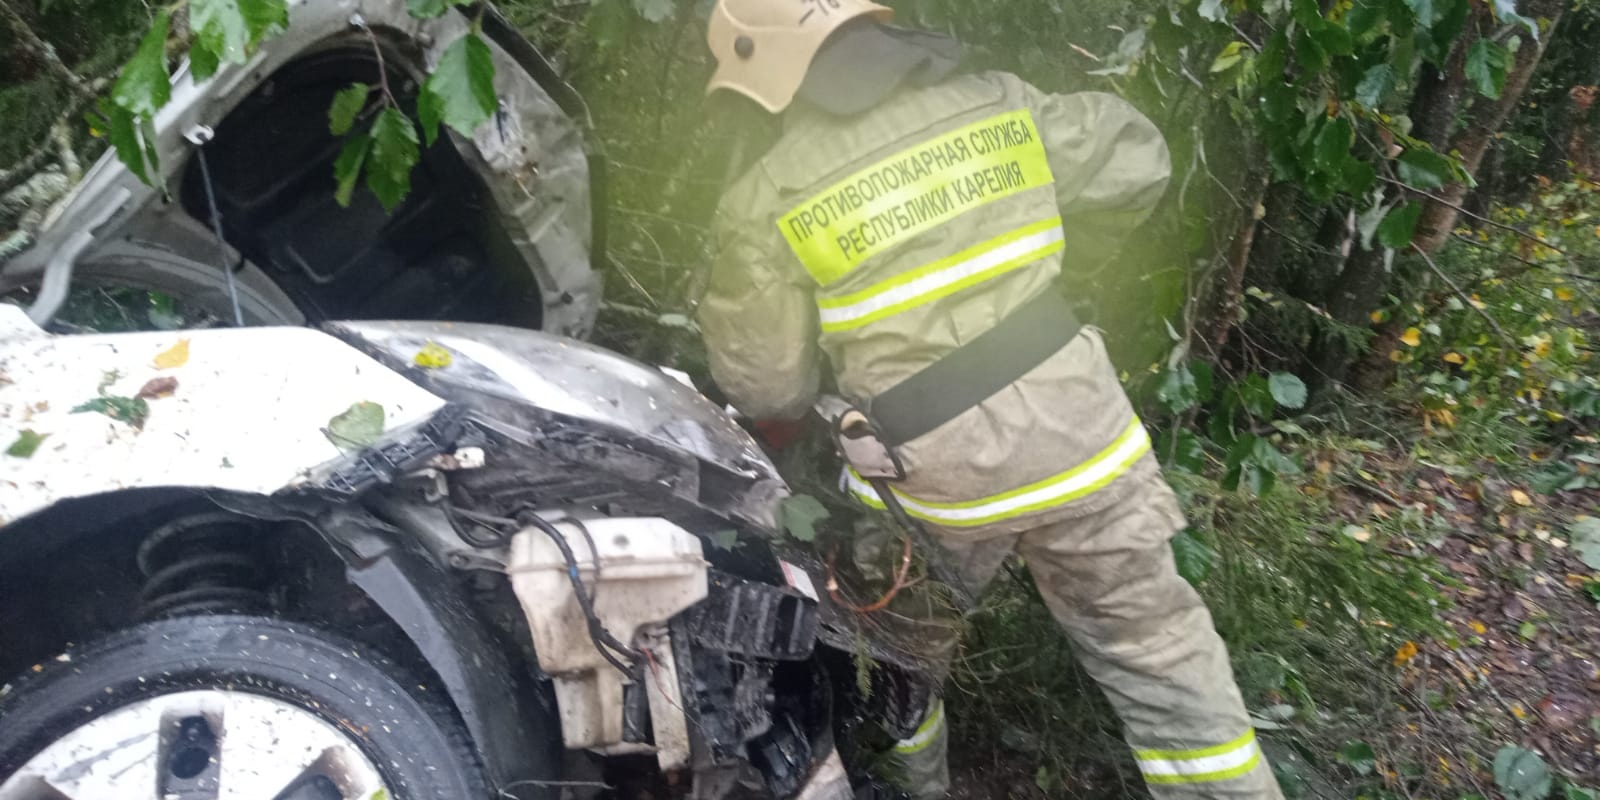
pixel 20 172
pixel 1479 217
pixel 31 41
pixel 1528 262
pixel 383 69
pixel 1467 299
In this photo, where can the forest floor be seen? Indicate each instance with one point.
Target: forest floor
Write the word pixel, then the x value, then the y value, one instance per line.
pixel 1513 667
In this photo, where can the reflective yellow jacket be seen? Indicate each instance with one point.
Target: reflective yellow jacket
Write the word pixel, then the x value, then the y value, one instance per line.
pixel 888 239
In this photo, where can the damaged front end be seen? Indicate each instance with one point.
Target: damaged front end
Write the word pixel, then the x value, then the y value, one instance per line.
pixel 636 524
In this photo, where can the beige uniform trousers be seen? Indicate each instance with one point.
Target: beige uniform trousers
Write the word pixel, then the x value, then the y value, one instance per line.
pixel 1140 630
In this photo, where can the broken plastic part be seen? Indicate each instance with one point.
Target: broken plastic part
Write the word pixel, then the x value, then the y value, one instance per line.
pixel 640 572
pixel 755 619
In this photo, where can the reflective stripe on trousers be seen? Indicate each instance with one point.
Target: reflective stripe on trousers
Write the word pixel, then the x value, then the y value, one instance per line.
pixel 943 278
pixel 1074 484
pixel 1204 765
pixel 927 733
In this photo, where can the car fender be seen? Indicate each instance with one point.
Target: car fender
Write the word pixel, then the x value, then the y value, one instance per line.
pixel 243 410
pixel 112 202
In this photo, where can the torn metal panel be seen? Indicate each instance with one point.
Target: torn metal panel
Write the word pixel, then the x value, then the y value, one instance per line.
pixel 531 157
pixel 581 405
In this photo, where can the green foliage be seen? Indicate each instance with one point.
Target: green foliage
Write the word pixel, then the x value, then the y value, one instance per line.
pixel 1425 169
pixel 225 31
pixel 1585 537
pixel 1487 65
pixel 122 130
pixel 390 158
pixel 347 105
pixel 347 167
pixel 26 443
pixel 1359 757
pixel 131 410
pixel 1530 373
pixel 1400 226
pixel 654 10
pixel 360 426
pixel 460 90
pixel 800 514
pixel 1193 556
pixel 1521 774
pixel 144 87
pixel 1288 390
pixel 428 9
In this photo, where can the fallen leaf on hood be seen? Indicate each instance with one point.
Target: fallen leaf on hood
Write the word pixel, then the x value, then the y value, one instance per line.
pixel 174 356
pixel 27 442
pixel 358 427
pixel 131 410
pixel 432 356
pixel 157 388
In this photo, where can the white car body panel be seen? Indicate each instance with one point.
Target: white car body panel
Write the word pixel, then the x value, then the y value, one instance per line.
pixel 249 413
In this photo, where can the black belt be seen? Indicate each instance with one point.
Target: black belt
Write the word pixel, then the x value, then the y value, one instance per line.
pixel 975 371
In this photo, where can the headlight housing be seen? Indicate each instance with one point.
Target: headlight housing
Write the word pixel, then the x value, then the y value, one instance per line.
pixel 569 378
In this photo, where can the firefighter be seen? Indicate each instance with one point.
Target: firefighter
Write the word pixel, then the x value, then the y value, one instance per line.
pixel 911 224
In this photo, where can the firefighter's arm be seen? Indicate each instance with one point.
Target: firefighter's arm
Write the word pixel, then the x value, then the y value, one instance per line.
pixel 1111 167
pixel 760 324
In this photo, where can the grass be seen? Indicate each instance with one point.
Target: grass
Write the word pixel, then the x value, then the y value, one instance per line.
pixel 1312 615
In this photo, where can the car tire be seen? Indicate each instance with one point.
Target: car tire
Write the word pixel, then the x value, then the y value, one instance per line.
pixel 314 680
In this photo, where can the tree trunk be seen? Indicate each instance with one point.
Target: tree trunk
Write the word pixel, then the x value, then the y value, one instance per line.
pixel 1441 90
pixel 1485 119
pixel 1230 293
pixel 1266 257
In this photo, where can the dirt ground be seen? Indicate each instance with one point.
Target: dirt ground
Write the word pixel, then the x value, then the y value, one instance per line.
pixel 1520 666
pixel 1525 669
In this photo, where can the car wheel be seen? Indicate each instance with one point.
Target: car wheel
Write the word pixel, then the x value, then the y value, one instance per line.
pixel 228 707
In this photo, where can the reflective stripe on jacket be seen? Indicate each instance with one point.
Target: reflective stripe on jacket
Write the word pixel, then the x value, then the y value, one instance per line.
pixel 884 241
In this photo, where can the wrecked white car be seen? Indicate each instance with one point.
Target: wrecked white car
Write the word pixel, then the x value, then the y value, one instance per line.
pixel 496 228
pixel 312 559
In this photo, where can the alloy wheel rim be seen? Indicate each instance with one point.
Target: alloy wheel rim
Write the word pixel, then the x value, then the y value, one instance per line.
pixel 201 745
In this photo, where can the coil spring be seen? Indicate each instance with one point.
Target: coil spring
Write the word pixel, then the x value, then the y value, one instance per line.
pixel 202 564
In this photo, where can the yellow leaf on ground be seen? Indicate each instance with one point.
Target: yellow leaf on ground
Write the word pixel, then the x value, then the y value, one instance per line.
pixel 1412 337
pixel 432 356
pixel 1564 294
pixel 1455 358
pixel 1404 655
pixel 1521 498
pixel 174 356
pixel 1478 627
pixel 1377 317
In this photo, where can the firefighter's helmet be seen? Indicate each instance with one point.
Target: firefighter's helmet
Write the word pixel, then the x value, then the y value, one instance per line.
pixel 764 47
